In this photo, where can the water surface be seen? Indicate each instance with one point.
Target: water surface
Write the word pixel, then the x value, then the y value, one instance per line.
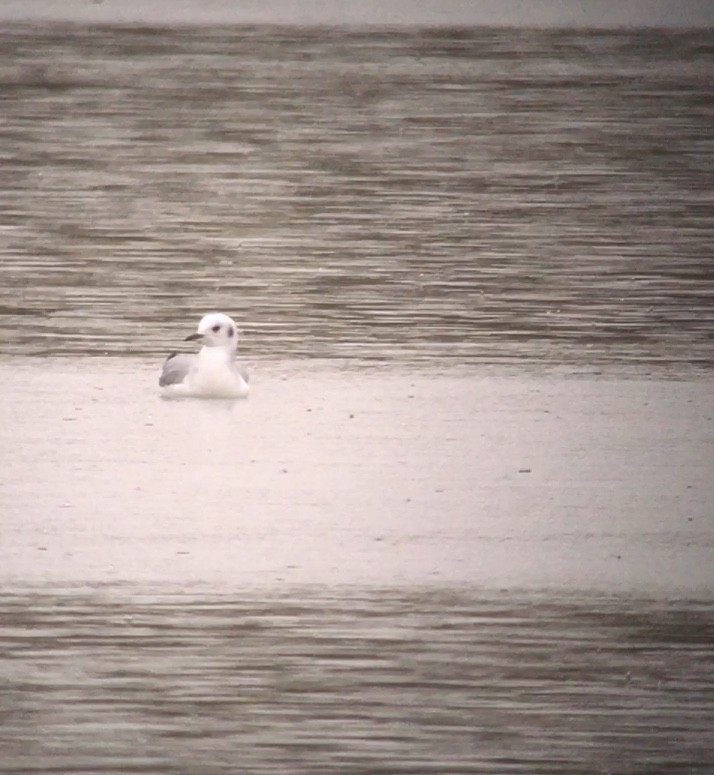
pixel 463 523
pixel 384 681
pixel 456 194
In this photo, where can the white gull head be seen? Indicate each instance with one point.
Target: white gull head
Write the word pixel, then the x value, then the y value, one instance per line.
pixel 216 330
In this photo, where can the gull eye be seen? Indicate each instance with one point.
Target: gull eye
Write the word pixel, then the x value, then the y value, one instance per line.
pixel 216 328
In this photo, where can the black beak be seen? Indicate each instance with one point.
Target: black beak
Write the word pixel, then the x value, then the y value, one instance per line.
pixel 193 337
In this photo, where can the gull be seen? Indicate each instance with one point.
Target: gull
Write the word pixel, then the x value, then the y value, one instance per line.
pixel 214 372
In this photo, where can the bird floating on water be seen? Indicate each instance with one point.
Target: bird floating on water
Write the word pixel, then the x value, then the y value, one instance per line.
pixel 214 371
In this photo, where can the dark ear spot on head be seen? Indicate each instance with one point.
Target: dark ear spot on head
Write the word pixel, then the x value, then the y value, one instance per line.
pixel 216 328
pixel 230 331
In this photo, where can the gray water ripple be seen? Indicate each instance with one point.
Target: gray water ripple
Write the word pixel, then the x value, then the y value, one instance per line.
pixel 401 682
pixel 458 195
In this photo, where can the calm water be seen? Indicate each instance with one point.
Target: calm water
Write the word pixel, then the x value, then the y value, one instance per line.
pixel 490 554
pixel 467 195
pixel 381 682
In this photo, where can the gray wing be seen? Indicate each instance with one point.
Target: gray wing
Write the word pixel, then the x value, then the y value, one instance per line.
pixel 176 367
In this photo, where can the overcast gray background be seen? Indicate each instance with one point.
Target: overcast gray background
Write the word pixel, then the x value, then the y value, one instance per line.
pixel 563 13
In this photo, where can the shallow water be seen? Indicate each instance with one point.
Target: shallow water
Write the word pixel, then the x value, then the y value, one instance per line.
pixel 379 477
pixel 360 571
pixel 463 523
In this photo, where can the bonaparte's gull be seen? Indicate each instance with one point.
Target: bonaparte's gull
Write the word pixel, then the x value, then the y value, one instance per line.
pixel 214 372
